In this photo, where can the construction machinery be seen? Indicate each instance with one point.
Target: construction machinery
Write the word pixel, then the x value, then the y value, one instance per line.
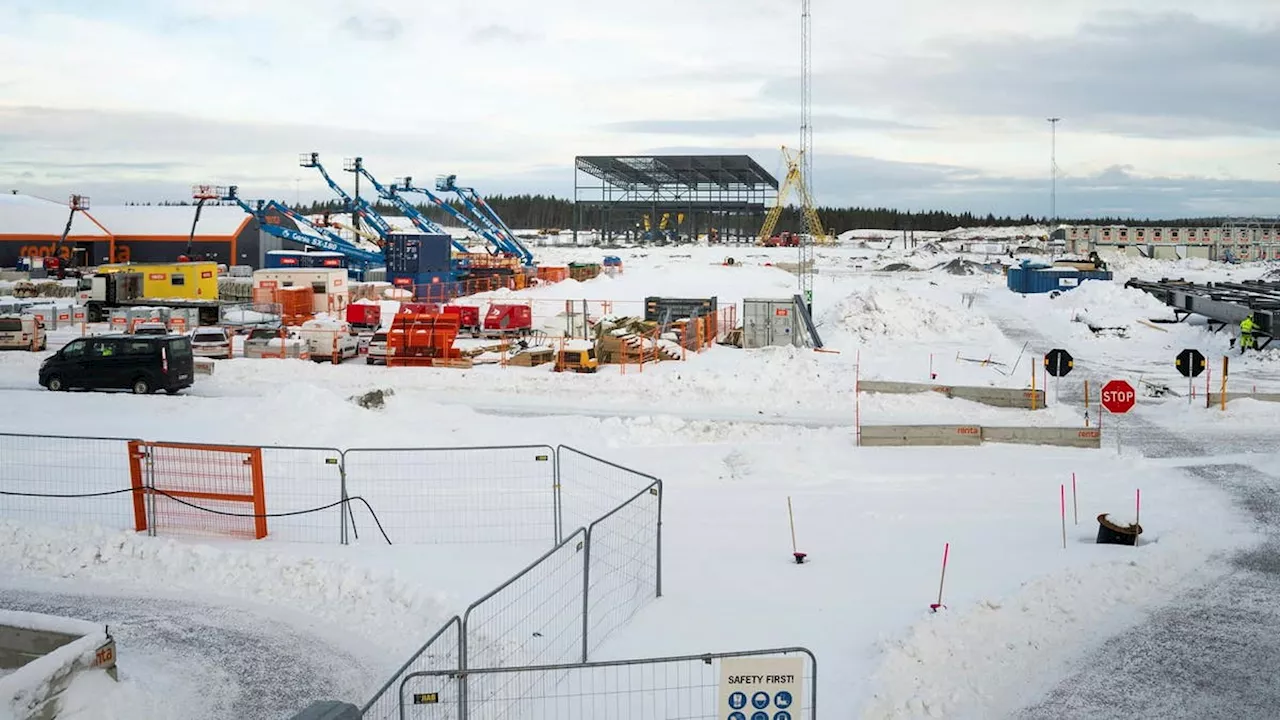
pixel 357 206
pixel 359 259
pixel 175 285
pixel 487 216
pixel 498 246
pixel 577 356
pixel 423 223
pixel 813 231
pixel 61 260
pixel 418 339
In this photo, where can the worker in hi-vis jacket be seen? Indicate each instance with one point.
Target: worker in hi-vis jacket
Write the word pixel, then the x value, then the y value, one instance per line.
pixel 1246 334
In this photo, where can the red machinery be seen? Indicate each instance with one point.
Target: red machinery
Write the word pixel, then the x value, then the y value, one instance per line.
pixel 364 315
pixel 468 318
pixel 422 339
pixel 508 320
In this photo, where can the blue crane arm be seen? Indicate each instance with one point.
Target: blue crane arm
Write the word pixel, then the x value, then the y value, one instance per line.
pixel 488 216
pixel 321 239
pixel 420 221
pixel 498 246
pixel 362 206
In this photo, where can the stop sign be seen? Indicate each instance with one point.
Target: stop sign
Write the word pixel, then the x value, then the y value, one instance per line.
pixel 1118 396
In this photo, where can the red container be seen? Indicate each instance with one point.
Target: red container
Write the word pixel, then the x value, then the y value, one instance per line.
pixel 468 315
pixel 419 308
pixel 362 315
pixel 508 319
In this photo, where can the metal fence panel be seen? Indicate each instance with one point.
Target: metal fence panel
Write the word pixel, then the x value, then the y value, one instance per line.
pixel 442 652
pixel 299 480
pixel 457 495
pixel 66 466
pixel 624 567
pixel 591 487
pixel 685 687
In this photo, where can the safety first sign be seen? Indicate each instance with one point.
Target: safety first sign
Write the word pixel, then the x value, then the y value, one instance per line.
pixel 760 688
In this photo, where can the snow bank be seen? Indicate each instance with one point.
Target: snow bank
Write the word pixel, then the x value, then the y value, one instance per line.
pixel 991 658
pixel 890 312
pixel 31 687
pixel 364 600
pixel 1108 304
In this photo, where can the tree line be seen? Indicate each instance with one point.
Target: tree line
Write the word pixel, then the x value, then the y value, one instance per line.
pixel 550 212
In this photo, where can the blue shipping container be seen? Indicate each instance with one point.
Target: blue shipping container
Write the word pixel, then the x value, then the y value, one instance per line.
pixel 418 253
pixel 1028 280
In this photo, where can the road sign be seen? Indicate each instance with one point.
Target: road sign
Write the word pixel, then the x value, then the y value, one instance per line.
pixel 1118 397
pixel 1190 363
pixel 1058 362
pixel 766 686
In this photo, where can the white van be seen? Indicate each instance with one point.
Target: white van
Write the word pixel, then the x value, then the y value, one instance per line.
pixel 22 332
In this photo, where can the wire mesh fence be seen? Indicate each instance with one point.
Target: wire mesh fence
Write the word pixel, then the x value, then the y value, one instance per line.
pixel 591 487
pixel 303 489
pixel 441 652
pixel 457 495
pixel 56 480
pixel 624 565
pixel 685 687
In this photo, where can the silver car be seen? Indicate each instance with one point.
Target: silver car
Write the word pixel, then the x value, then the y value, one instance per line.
pixel 211 342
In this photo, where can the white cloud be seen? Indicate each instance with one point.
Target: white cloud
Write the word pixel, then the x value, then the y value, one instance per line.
pixel 151 92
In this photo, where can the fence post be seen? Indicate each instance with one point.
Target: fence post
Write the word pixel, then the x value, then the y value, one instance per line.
pixel 586 590
pixel 659 564
pixel 149 456
pixel 345 507
pixel 556 501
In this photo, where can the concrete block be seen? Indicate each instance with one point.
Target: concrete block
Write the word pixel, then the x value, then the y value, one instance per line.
pixel 920 435
pixel 1061 437
pixel 1215 399
pixel 993 396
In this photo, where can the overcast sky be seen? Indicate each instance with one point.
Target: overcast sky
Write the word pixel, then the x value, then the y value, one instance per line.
pixel 1168 107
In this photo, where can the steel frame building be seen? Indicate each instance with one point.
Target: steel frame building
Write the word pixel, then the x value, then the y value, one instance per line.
pixel 727 194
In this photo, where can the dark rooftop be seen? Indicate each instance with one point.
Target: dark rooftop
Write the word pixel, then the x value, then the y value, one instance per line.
pixel 688 170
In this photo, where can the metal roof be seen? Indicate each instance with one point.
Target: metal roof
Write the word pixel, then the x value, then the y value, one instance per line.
pixel 687 170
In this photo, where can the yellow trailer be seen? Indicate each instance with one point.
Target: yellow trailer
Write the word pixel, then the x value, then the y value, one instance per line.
pixel 187 281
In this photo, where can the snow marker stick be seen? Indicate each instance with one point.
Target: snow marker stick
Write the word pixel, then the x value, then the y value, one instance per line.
pixel 1062 492
pixel 1075 501
pixel 857 398
pixel 932 375
pixel 946 551
pixel 799 556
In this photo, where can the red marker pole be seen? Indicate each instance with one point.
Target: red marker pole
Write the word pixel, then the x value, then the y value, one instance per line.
pixel 946 551
pixel 1062 491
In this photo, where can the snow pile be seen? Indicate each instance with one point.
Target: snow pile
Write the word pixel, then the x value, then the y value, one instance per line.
pixel 892 313
pixel 1109 304
pixel 346 595
pixel 992 658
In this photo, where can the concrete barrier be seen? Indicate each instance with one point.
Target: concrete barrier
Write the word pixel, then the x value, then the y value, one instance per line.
pixel 1215 399
pixel 45 653
pixel 970 435
pixel 919 435
pixel 1061 437
pixel 993 396
pixel 203 366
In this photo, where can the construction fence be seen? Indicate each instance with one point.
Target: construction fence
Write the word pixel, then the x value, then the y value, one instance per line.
pixel 602 523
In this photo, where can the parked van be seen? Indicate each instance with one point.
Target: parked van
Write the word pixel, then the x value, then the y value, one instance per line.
pixel 22 332
pixel 140 363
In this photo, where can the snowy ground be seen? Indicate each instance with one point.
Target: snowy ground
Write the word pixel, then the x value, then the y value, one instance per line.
pixel 733 434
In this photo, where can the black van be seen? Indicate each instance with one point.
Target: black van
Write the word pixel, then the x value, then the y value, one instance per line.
pixel 141 363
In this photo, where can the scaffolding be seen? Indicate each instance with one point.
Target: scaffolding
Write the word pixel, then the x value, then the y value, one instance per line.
pixel 623 197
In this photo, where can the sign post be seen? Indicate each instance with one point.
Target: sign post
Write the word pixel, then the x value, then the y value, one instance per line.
pixel 761 688
pixel 1058 363
pixel 1190 363
pixel 1118 398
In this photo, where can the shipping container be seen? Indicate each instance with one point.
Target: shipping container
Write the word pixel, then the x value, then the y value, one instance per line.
pixel 329 285
pixel 769 322
pixel 1043 280
pixel 665 309
pixel 172 281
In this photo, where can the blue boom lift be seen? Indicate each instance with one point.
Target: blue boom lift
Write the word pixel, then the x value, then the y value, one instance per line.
pixel 363 209
pixel 496 244
pixel 478 207
pixel 359 259
pixel 420 221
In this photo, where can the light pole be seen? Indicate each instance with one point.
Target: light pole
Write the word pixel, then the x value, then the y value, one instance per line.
pixel 1053 172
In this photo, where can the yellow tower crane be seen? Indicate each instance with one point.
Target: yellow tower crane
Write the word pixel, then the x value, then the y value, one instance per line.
pixel 794 180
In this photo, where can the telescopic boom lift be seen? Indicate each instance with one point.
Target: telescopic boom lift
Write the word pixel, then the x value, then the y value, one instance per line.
pixel 362 207
pixel 486 214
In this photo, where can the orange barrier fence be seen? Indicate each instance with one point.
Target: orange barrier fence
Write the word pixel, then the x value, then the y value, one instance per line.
pixel 170 478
